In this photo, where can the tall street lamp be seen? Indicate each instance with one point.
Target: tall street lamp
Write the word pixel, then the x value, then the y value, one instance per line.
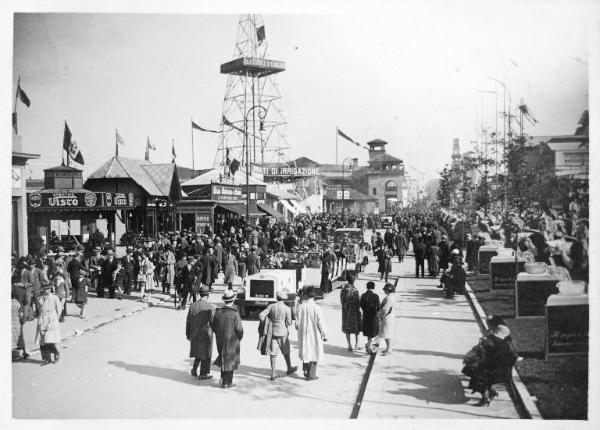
pixel 343 183
pixel 261 115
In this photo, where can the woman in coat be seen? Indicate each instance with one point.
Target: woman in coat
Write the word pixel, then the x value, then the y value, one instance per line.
pixel 491 360
pixel 369 303
pixel 48 327
pixel 351 318
pixel 311 334
pixel 230 269
pixel 385 262
pixel 386 318
pixel 18 320
pixel 81 294
pixel 227 326
pixel 433 264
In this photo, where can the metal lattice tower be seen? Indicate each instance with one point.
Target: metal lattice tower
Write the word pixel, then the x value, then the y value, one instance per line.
pixel 242 92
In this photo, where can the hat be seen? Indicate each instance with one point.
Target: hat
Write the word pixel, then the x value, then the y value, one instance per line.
pixel 228 296
pixel 455 251
pixel 204 290
pixel 388 288
pixel 500 331
pixel 97 248
pixel 282 295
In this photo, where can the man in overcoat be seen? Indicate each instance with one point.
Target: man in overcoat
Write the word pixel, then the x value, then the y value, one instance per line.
pixel 227 326
pixel 199 332
pixel 253 262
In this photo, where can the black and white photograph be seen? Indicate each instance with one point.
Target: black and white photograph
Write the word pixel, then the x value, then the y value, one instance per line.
pixel 336 211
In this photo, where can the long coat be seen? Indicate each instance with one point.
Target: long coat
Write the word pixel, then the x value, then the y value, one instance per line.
pixel 252 263
pixel 386 317
pixel 369 303
pixel 198 329
pixel 311 331
pixel 351 318
pixel 210 270
pixel 231 269
pixel 17 327
pixel 81 295
pixel 48 327
pixel 385 261
pixel 434 260
pixel 227 326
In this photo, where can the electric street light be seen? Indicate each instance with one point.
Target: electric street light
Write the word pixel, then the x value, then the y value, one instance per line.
pixel 262 117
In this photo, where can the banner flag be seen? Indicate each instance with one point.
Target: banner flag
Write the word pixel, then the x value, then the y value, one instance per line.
pixel 230 124
pixel 173 155
pixel 75 153
pixel 348 138
pixel 67 138
pixel 120 140
pixel 260 34
pixel 23 97
pixel 197 127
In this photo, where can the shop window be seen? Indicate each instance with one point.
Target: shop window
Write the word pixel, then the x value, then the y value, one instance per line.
pixel 391 187
pixel 374 191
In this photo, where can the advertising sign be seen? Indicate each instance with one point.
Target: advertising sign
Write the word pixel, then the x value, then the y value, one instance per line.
pixel 75 200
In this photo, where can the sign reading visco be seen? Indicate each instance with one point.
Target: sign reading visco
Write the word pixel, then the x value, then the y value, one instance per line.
pixel 69 200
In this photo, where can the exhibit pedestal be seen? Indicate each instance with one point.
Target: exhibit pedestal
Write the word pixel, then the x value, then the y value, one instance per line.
pixel 485 255
pixel 532 292
pixel 567 325
pixel 502 272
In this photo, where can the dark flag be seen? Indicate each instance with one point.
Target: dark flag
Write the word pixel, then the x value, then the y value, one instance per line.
pixel 22 96
pixel 348 138
pixel 173 155
pixel 197 127
pixel 67 138
pixel 234 166
pixel 260 34
pixel 527 114
pixel 71 147
pixel 14 122
pixel 230 124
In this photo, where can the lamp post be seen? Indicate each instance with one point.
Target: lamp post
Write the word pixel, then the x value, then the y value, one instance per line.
pixel 262 117
pixel 343 188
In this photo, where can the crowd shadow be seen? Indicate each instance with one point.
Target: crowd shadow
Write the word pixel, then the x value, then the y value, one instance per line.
pixel 168 373
pixel 431 353
pixel 433 386
pixel 330 349
pixel 458 320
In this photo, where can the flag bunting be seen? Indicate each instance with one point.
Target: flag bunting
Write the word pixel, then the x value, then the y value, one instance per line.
pixel 22 96
pixel 348 138
pixel 197 127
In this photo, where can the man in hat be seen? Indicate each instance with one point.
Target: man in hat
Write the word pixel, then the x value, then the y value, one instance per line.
pixel 279 316
pixel 94 265
pixel 75 269
pixel 209 267
pixel 227 326
pixel 188 276
pixel 219 253
pixel 48 325
pixel 109 265
pixel 311 333
pixel 199 332
pixel 129 266
pixel 252 261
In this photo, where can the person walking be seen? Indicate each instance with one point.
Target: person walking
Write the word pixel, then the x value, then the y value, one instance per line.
pixel 62 291
pixel 311 334
pixel 328 260
pixel 231 269
pixel 252 261
pixel 19 318
pixel 419 250
pixel 48 325
pixel 276 319
pixel 199 332
pixel 369 304
pixel 351 317
pixel 386 318
pixel 118 281
pixel 94 266
pixel 491 360
pixel 188 276
pixel 81 294
pixel 433 263
pixel 109 265
pixel 227 326
pixel 385 262
pixel 444 253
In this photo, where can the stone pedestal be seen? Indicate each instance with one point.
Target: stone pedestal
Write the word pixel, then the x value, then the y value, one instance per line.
pixel 502 272
pixel 532 292
pixel 485 255
pixel 567 325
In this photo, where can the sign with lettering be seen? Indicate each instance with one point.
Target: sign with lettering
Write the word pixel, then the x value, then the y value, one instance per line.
pixel 203 218
pixel 567 329
pixel 531 294
pixel 76 200
pixel 289 171
pixel 502 273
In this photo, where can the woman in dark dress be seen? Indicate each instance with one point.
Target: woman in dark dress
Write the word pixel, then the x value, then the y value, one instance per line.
pixel 385 262
pixel 490 361
pixel 351 318
pixel 369 303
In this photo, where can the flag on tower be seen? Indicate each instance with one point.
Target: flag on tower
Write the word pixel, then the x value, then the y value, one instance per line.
pixel 197 127
pixel 120 140
pixel 149 147
pixel 348 138
pixel 173 155
pixel 527 114
pixel 230 124
pixel 71 146
pixel 22 96
pixel 260 34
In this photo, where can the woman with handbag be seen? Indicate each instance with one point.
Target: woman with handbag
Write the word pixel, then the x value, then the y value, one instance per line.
pixel 386 317
pixel 351 317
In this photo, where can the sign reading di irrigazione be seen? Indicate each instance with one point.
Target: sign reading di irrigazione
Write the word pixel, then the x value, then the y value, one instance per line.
pixel 75 200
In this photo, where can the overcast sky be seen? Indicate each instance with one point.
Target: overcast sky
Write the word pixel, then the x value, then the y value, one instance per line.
pixel 410 77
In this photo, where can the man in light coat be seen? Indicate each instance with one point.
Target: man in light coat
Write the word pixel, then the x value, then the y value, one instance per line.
pixel 311 334
pixel 199 332
pixel 48 327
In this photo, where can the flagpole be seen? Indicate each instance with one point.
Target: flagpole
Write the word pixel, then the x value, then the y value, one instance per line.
pixel 336 145
pixel 192 130
pixel 116 144
pixel 68 155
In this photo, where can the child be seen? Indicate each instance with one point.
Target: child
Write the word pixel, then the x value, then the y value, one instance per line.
pixel 119 279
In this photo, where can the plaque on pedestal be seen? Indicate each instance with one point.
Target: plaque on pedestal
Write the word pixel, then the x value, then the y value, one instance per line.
pixel 532 292
pixel 502 272
pixel 485 255
pixel 567 325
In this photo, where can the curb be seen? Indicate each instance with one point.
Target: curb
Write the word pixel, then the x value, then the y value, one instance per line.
pixel 516 387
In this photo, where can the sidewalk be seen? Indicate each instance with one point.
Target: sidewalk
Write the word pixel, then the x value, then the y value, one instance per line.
pixel 422 378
